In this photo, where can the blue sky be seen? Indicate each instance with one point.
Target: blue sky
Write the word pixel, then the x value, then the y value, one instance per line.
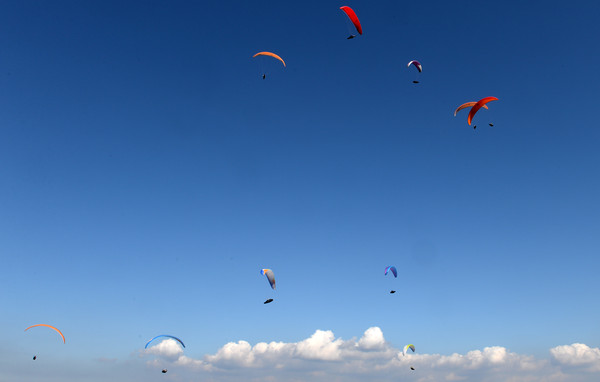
pixel 148 173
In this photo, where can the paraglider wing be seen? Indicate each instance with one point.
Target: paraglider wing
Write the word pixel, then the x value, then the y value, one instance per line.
pixel 48 326
pixel 409 346
pixel 478 106
pixel 164 335
pixel 268 301
pixel 391 268
pixel 417 65
pixel 466 105
pixel 352 16
pixel 270 276
pixel 271 55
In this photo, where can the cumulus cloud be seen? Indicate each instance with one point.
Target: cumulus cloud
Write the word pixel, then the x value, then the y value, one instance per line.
pixel 166 348
pixel 323 357
pixel 577 355
pixel 372 339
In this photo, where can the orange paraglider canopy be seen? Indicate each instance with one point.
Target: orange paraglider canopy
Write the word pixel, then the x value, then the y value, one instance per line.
pixel 271 55
pixel 48 326
pixel 352 16
pixel 465 105
pixel 478 106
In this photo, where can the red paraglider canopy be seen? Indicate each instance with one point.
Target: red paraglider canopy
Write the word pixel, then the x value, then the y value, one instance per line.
pixel 478 106
pixel 352 16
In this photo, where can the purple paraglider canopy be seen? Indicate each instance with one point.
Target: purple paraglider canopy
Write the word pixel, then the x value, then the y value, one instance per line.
pixel 393 269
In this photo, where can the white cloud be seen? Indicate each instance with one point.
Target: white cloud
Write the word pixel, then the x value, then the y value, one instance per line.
pixel 322 345
pixel 577 355
pixel 372 339
pixel 167 348
pixel 323 357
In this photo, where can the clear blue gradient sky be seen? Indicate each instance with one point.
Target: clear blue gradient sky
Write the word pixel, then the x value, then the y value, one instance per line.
pixel 148 173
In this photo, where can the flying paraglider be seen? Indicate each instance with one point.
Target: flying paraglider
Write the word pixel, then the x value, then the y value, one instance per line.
pixel 270 55
pixel 478 106
pixel 412 368
pixel 409 346
pixel 352 16
pixel 164 371
pixel 270 276
pixel 391 268
pixel 268 301
pixel 491 124
pixel 392 291
pixel 34 357
pixel 466 105
pixel 51 327
pixel 417 65
pixel 164 335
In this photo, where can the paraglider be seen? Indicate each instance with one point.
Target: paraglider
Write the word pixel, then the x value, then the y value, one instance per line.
pixel 392 291
pixel 352 16
pixel 417 65
pixel 51 327
pixel 491 124
pixel 164 371
pixel 164 335
pixel 271 55
pixel 478 106
pixel 465 105
pixel 412 368
pixel 268 301
pixel 391 268
pixel 409 346
pixel 34 357
pixel 270 276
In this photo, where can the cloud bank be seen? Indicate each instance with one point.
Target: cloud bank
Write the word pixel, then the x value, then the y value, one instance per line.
pixel 323 357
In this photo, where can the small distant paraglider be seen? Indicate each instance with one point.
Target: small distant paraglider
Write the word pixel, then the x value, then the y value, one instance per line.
pixel 270 276
pixel 491 124
pixel 164 371
pixel 352 16
pixel 392 269
pixel 411 347
pixel 268 301
pixel 417 65
pixel 478 105
pixel 34 357
pixel 269 54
